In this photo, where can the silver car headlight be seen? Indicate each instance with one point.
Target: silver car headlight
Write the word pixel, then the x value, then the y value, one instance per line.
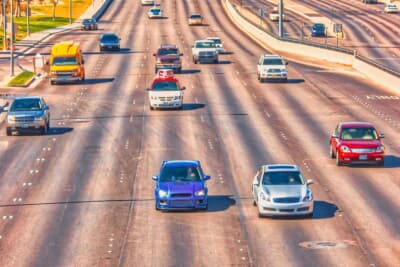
pixel 265 197
pixel 309 196
pixel 345 149
pixel 200 193
pixel 162 193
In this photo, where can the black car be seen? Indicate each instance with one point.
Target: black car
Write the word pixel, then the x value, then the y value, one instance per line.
pixel 318 29
pixel 109 41
pixel 89 24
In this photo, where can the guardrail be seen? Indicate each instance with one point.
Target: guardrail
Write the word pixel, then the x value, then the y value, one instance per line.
pixel 371 69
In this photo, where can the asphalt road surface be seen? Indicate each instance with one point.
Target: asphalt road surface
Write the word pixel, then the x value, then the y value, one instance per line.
pixel 83 195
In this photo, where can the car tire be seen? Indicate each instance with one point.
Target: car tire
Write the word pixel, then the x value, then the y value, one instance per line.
pixel 338 162
pixel 310 215
pixel 254 203
pixel 179 70
pixel 331 153
pixel 101 49
pixel 52 82
pixel 8 131
pixel 43 130
pixel 151 108
pixel 262 80
pixel 155 70
pixel 216 61
pixel 155 206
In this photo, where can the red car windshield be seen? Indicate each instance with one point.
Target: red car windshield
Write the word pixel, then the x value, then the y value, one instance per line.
pixel 359 134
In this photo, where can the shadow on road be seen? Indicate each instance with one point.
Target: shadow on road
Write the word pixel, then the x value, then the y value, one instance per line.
pixel 99 80
pixel 193 106
pixel 59 130
pixel 294 81
pixel 220 203
pixel 189 71
pixel 324 210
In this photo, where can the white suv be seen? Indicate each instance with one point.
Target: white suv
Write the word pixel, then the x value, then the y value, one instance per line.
pixel 271 67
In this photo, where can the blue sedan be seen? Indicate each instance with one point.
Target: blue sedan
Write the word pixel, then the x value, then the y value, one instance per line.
pixel 318 29
pixel 181 184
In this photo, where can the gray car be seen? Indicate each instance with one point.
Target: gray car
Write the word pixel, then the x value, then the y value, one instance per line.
pixel 280 189
pixel 28 114
pixel 109 41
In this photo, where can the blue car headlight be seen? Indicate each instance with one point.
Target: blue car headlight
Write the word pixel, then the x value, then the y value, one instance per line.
pixel 162 193
pixel 200 193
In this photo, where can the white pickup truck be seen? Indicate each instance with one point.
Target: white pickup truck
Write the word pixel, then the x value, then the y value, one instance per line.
pixel 204 51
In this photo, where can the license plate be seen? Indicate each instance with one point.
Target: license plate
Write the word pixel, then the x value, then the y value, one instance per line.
pixel 363 157
pixel 24 126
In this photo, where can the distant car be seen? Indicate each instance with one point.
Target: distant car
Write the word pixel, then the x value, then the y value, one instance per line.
pixel 280 189
pixel 165 91
pixel 357 142
pixel 28 114
pixel 274 15
pixel 147 2
pixel 271 67
pixel 318 30
pixel 181 184
pixel 168 57
pixel 155 12
pixel 195 19
pixel 391 8
pixel 109 41
pixel 89 24
pixel 218 44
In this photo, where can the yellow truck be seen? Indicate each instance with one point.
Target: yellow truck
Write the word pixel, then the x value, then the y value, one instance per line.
pixel 66 63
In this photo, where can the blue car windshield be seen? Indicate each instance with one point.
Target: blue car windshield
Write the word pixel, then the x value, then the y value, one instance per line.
pixel 283 178
pixel 180 174
pixel 26 105
pixel 319 26
pixel 165 86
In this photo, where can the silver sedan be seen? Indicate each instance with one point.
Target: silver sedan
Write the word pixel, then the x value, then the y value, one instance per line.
pixel 280 189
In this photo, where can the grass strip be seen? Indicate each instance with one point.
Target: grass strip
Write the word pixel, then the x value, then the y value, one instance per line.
pixel 21 79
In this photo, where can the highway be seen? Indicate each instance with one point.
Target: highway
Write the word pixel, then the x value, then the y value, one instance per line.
pixel 83 194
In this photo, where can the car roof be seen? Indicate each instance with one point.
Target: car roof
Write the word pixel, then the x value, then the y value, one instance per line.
pixel 356 124
pixel 271 56
pixel 195 14
pixel 212 38
pixel 280 167
pixel 181 163
pixel 27 97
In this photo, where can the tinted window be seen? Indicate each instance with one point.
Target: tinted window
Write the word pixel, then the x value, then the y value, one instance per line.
pixel 319 26
pixel 109 38
pixel 359 134
pixel 88 21
pixel 282 178
pixel 205 45
pixel 62 61
pixel 165 86
pixel 273 61
pixel 195 17
pixel 176 174
pixel 162 52
pixel 26 105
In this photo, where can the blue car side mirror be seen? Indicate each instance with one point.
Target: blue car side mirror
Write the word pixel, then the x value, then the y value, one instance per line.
pixel 206 177
pixel 155 177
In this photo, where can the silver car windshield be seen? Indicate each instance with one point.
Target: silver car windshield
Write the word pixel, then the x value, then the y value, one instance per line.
pixel 26 105
pixel 283 178
pixel 359 134
pixel 180 174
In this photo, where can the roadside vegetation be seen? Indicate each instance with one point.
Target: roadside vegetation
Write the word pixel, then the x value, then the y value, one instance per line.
pixel 21 79
pixel 41 17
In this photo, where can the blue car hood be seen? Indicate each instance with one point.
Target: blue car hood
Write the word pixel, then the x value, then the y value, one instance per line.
pixel 181 187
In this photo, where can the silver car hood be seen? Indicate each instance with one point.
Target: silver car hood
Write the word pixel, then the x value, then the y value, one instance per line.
pixel 35 113
pixel 276 191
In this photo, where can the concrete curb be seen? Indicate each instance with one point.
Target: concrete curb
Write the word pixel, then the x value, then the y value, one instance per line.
pixel 390 81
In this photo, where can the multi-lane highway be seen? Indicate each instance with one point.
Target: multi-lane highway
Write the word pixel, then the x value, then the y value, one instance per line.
pixel 83 194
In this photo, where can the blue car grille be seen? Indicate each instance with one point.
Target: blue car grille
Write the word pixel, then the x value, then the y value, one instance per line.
pixel 181 203
pixel 181 195
pixel 286 200
pixel 24 119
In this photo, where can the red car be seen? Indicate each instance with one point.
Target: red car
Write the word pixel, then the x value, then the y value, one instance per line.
pixel 357 142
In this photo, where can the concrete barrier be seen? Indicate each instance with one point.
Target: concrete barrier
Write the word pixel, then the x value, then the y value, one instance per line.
pixel 388 79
